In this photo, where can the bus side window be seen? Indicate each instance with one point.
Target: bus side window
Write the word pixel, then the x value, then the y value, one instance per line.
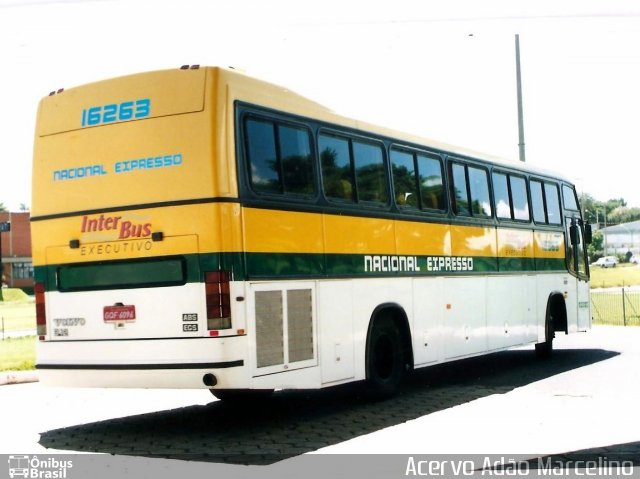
pixel 337 172
pixel 461 198
pixel 404 178
pixel 371 179
pixel 479 189
pixel 537 202
pixel 471 191
pixel 510 195
pixel 279 156
pixel 569 197
pixel 501 196
pixel 263 161
pixel 519 196
pixel 552 198
pixel 431 183
pixel 296 161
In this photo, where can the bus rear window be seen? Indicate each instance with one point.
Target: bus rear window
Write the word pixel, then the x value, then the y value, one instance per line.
pixel 146 273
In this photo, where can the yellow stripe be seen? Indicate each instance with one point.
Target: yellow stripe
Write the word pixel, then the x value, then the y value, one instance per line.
pixel 294 232
pixel 514 243
pixel 344 234
pixel 226 227
pixel 271 231
pixel 549 245
pixel 473 241
pixel 423 239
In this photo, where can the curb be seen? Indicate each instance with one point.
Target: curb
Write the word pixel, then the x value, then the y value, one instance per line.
pixel 18 377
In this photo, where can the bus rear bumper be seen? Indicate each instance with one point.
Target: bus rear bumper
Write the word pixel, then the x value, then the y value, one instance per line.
pixel 137 378
pixel 162 363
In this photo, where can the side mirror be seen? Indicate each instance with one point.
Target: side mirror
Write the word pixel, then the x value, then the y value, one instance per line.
pixel 588 234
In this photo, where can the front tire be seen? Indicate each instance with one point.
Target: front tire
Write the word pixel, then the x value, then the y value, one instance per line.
pixel 544 350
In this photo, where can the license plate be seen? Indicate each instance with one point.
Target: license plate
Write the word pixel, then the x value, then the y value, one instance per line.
pixel 120 313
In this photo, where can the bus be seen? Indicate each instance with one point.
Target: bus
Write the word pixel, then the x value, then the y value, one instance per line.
pixel 199 228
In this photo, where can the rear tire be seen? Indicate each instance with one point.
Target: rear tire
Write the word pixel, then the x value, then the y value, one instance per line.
pixel 385 358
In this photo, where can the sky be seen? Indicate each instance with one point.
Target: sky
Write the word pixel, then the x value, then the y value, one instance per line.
pixel 442 69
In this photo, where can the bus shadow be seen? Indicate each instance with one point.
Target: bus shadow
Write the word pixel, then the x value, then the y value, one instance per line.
pixel 296 422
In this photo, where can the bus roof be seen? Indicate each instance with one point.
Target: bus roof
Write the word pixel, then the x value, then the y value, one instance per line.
pixel 75 154
pixel 280 98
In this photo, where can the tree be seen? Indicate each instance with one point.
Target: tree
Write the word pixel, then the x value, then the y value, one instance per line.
pixel 623 214
pixel 596 247
pixel 613 204
pixel 594 210
pixel 3 207
pixel 616 211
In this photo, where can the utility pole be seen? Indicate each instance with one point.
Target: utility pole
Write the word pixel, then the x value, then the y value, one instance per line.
pixel 604 233
pixel 519 92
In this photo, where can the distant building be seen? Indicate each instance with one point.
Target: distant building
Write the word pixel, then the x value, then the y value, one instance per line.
pixel 622 238
pixel 17 263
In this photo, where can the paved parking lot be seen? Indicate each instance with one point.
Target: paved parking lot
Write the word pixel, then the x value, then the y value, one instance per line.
pixel 584 401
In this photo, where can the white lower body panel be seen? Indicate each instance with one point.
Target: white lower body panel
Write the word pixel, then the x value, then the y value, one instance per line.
pixel 149 363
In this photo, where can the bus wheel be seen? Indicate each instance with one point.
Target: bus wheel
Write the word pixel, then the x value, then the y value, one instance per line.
pixel 241 395
pixel 385 358
pixel 544 350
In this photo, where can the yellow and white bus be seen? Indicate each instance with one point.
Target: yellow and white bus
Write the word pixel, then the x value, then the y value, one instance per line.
pixel 198 228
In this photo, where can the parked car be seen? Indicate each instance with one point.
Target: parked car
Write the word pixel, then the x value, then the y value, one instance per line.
pixel 607 262
pixel 635 259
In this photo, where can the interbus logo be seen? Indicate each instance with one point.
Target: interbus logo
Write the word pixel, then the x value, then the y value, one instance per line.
pixel 124 229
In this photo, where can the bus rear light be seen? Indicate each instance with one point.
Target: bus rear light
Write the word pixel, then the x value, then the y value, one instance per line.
pixel 218 299
pixel 215 332
pixel 41 315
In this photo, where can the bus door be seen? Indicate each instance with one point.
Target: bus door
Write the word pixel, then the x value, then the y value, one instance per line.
pixel 577 261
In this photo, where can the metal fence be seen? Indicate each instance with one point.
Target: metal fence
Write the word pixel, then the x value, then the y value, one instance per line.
pixel 620 307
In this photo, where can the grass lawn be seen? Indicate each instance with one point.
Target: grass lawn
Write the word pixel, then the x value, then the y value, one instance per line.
pixel 607 308
pixel 17 311
pixel 18 354
pixel 14 294
pixel 621 275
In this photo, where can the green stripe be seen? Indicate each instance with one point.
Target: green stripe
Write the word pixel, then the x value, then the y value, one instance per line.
pixel 283 264
pixel 511 264
pixel 551 264
pixel 247 266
